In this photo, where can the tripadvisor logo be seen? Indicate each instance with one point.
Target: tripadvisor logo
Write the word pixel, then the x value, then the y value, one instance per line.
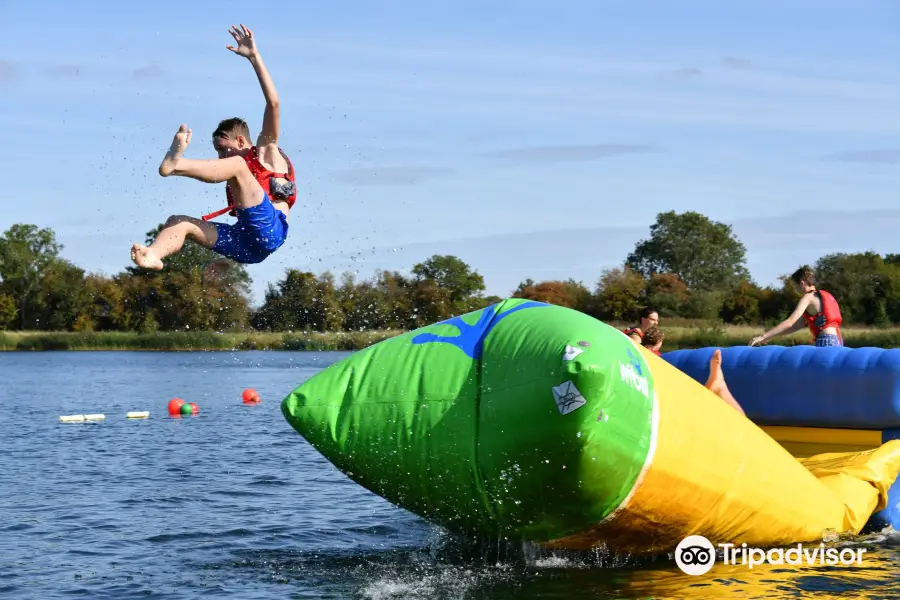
pixel 695 555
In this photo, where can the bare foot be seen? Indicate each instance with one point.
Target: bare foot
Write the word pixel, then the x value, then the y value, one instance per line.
pixel 179 144
pixel 716 382
pixel 146 257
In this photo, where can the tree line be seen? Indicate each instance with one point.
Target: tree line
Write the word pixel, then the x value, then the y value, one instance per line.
pixel 689 267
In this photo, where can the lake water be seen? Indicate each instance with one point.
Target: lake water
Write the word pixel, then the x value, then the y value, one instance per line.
pixel 233 503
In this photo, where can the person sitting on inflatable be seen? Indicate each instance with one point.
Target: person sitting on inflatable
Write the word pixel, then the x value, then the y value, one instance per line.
pixel 818 309
pixel 653 339
pixel 260 186
pixel 649 318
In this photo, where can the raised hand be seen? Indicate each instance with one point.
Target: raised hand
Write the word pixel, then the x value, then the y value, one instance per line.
pixel 246 45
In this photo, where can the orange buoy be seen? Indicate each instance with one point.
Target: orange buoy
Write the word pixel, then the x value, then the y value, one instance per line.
pixel 175 405
pixel 195 410
pixel 250 396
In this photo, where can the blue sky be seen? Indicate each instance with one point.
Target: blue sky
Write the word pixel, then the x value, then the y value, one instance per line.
pixel 532 139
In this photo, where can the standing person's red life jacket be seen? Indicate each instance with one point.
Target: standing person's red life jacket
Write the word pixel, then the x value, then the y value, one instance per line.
pixel 829 316
pixel 277 191
pixel 632 330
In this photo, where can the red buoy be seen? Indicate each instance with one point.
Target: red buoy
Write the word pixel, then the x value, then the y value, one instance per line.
pixel 250 396
pixel 175 405
pixel 194 408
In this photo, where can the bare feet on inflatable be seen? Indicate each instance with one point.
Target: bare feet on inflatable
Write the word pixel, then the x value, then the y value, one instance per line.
pixel 716 382
pixel 146 257
pixel 179 145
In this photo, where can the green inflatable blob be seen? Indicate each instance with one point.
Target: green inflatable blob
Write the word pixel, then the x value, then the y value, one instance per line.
pixel 524 420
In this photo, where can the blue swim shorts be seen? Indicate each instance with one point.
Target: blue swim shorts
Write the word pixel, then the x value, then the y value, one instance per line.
pixel 825 340
pixel 260 230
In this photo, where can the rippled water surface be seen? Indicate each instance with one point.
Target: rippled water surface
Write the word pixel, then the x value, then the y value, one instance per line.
pixel 232 503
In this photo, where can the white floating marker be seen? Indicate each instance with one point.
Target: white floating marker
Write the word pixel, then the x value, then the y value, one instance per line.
pixel 97 417
pixel 137 414
pixel 71 418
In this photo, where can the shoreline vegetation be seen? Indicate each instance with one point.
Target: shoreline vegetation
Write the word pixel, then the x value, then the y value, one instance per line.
pixel 677 337
pixel 691 270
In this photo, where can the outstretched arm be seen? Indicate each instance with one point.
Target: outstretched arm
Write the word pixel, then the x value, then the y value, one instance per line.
pixel 272 116
pixel 799 325
pixel 789 325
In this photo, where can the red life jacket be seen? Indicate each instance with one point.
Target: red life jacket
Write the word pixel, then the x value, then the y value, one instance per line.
pixel 829 316
pixel 655 351
pixel 264 177
pixel 632 330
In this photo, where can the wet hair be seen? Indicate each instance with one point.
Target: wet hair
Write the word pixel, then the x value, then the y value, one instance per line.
pixel 232 127
pixel 647 311
pixel 804 273
pixel 652 336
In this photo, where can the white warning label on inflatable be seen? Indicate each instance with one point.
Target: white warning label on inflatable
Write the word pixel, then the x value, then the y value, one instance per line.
pixel 571 352
pixel 567 397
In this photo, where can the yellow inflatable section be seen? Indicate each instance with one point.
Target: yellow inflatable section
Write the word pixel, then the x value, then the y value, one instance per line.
pixel 715 473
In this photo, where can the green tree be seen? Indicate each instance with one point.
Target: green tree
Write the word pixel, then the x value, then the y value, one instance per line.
pixel 580 295
pixel 570 293
pixel 7 311
pixel 450 273
pixel 703 304
pixel 363 304
pixel 528 283
pixel 863 284
pixel 26 251
pixel 618 295
pixel 430 304
pixel 667 294
pixel 704 254
pixel 62 297
pixel 741 304
pixel 108 310
pixel 777 303
pixel 300 302
pixel 396 299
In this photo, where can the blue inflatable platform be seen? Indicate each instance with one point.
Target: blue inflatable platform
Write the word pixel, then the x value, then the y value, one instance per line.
pixel 804 392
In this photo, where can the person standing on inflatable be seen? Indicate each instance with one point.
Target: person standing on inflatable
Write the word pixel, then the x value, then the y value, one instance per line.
pixel 260 184
pixel 818 309
pixel 649 318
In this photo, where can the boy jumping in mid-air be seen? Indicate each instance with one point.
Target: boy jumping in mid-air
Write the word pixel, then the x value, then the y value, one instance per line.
pixel 817 310
pixel 260 183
